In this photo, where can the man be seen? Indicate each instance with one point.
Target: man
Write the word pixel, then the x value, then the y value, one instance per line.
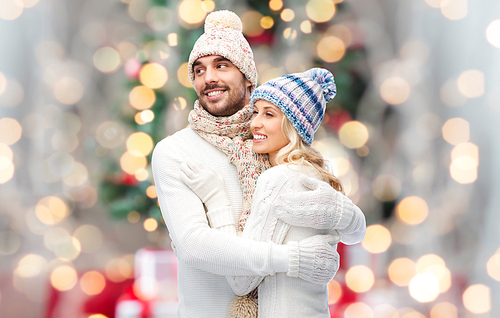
pixel 223 73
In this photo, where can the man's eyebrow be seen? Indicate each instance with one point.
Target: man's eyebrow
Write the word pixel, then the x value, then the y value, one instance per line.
pixel 220 59
pixel 196 63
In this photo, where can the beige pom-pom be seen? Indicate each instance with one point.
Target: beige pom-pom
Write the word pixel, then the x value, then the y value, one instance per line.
pixel 223 19
pixel 243 307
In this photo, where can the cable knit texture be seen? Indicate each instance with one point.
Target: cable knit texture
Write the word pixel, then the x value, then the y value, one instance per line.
pixel 303 291
pixel 231 136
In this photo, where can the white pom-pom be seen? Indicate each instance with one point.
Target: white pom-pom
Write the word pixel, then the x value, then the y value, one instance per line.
pixel 223 19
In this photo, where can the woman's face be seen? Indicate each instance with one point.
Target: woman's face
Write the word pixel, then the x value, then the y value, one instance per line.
pixel 266 129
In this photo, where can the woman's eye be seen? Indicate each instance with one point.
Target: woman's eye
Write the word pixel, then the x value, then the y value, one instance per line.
pixel 269 114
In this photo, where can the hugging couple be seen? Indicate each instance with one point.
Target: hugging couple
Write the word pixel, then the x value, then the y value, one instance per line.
pixel 253 211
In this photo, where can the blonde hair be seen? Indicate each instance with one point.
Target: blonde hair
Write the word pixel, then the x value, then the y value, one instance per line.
pixel 299 153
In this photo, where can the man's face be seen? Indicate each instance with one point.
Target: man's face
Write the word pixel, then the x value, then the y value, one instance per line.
pixel 221 88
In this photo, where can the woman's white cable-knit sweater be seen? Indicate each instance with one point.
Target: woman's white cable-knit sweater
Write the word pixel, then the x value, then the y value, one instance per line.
pixel 281 295
pixel 205 255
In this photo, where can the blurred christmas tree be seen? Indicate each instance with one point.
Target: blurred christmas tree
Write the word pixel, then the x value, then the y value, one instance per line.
pixel 284 40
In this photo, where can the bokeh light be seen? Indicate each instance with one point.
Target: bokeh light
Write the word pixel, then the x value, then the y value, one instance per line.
pixel 330 49
pixel 306 26
pixel 493 267
pixel 377 239
pixel 192 11
pixel 359 278
pixel 424 287
pixel 456 130
pixel 471 83
pixel 63 277
pixel 51 210
pixel 11 9
pixel 353 134
pixel 144 117
pixel 153 75
pixel 320 10
pixel 412 210
pixel 110 134
pixel 357 310
pixel 477 299
pixel 427 261
pixel 493 33
pixel 31 265
pixel 138 10
pixel 92 283
pixel 140 144
pixel 118 270
pixel 266 22
pixel 172 39
pixel 3 83
pixel 444 310
pixel 334 291
pixel 150 224
pixel 107 59
pixel 275 5
pixel 151 192
pixel 395 90
pixel 142 97
pixel 287 15
pixel 183 75
pixel 401 271
pixel 68 90
pixel 454 9
pixel 10 131
pixel 251 21
pixel 130 163
pixel 290 33
pixel 158 18
pixel 133 217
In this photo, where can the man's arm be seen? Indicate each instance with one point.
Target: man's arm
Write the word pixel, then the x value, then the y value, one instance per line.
pixel 197 244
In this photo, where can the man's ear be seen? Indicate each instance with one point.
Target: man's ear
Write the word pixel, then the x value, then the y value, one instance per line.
pixel 247 83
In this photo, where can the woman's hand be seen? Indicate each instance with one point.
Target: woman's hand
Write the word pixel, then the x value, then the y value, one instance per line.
pixel 319 206
pixel 206 183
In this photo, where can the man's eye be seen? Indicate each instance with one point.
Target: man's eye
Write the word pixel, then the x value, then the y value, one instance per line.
pixel 222 65
pixel 198 71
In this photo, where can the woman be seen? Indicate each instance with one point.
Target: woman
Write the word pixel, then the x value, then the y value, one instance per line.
pixel 287 112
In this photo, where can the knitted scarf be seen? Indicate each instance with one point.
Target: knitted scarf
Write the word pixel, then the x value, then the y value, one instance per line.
pixel 232 136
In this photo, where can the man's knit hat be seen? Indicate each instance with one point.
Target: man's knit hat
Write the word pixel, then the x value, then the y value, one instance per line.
pixel 302 97
pixel 223 36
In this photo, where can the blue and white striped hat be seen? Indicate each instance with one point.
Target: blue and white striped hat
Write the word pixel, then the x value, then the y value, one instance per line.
pixel 302 97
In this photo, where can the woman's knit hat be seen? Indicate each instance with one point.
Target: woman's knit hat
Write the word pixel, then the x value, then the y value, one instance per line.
pixel 302 97
pixel 223 36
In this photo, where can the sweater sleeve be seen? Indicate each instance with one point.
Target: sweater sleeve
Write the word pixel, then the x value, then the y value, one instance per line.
pixel 196 243
pixel 262 224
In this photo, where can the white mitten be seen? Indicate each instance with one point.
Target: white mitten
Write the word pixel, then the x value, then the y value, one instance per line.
pixel 319 206
pixel 314 259
pixel 206 183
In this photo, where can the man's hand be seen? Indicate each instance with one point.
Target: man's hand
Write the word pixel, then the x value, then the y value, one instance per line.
pixel 319 206
pixel 314 259
pixel 206 183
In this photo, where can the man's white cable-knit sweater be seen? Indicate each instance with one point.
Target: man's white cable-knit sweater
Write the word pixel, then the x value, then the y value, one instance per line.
pixel 281 295
pixel 206 255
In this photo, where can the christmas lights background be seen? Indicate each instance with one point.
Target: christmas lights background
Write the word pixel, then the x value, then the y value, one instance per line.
pixel 88 87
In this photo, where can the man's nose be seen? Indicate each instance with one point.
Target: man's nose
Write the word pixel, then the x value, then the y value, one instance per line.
pixel 211 75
